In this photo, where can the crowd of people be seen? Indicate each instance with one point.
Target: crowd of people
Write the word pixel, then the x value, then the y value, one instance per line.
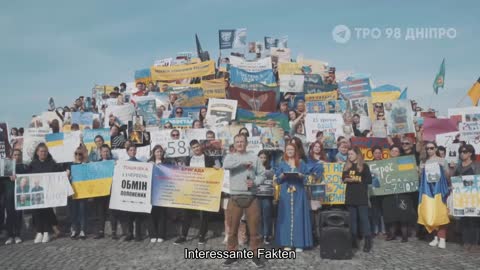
pixel 286 217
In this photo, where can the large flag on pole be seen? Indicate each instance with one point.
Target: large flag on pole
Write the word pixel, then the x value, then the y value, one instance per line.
pixel 440 78
pixel 474 92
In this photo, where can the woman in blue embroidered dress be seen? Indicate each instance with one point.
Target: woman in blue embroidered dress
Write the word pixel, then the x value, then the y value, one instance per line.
pixel 293 228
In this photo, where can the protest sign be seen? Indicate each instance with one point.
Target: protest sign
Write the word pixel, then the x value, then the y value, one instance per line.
pixel 361 106
pixel 214 88
pixel 366 143
pixel 161 137
pixel 63 145
pixel 178 123
pixel 122 113
pixel 49 117
pixel 379 128
pixel 4 140
pixel 381 97
pixel 242 76
pixel 394 175
pixel 323 96
pixel 399 117
pixel 90 134
pixel 470 133
pixel 83 119
pixel 334 186
pixel 330 124
pixel 195 134
pixel 272 138
pixel 146 107
pixel 43 190
pixel 32 137
pixel 355 87
pixel 166 73
pixel 466 196
pixel 264 101
pixel 7 167
pixel 263 119
pixel 92 179
pixel 432 172
pixel 177 148
pixel 212 148
pixel 331 106
pixel 291 83
pixel 221 111
pixel 254 145
pixel 312 66
pixel 280 55
pixel 251 66
pixel 434 126
pixel 190 97
pixel 469 114
pixel 446 140
pixel 132 187
pixel 199 188
pixel 143 75
pixel 291 68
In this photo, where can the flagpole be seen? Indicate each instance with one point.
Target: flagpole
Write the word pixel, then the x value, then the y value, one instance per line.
pixel 463 98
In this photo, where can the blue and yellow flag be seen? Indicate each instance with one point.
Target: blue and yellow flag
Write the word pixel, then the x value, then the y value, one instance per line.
pixel 432 202
pixel 92 179
pixel 54 139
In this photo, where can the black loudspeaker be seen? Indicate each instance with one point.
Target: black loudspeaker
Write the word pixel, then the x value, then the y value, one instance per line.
pixel 336 243
pixel 334 218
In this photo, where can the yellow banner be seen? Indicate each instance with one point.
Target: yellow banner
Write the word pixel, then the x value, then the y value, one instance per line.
pixel 332 95
pixel 385 96
pixel 187 188
pixel 315 66
pixel 160 73
pixel 214 88
pixel 289 68
pixel 334 187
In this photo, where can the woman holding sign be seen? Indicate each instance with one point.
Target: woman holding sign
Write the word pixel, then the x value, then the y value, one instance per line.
pixel 78 206
pixel 158 215
pixel 470 225
pixel 293 228
pixel 44 219
pixel 316 158
pixel 357 177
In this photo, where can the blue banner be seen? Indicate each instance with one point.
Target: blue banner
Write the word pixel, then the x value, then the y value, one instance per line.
pixel 238 76
pixel 148 110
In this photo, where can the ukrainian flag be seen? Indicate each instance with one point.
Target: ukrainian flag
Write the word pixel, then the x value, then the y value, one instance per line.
pixel 406 163
pixel 143 75
pixel 54 139
pixel 92 179
pixel 432 206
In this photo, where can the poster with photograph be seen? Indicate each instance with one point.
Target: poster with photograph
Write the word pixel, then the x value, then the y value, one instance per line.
pixel 399 117
pixel 7 167
pixel 221 111
pixel 4 141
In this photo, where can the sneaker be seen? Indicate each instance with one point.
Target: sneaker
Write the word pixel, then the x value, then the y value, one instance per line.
pixel 442 243
pixel 160 240
pixel 73 234
pixel 258 262
pixel 229 261
pixel 9 241
pixel 298 250
pixel 82 235
pixel 180 240
pixel 128 238
pixel 202 240
pixel 434 243
pixel 267 240
pixel 225 240
pixel 46 237
pixel 18 240
pixel 287 248
pixel 153 240
pixel 38 238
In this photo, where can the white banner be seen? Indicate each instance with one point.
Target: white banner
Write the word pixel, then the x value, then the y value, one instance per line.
pixel 251 66
pixel 132 187
pixel 122 113
pixel 43 190
pixel 221 111
pixel 177 148
pixel 330 124
pixel 470 133
pixel 291 83
pixel 32 137
pixel 469 114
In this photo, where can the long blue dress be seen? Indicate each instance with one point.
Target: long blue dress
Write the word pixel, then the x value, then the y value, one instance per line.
pixel 294 227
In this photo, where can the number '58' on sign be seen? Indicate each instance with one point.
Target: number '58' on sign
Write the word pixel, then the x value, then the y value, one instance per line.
pixel 177 148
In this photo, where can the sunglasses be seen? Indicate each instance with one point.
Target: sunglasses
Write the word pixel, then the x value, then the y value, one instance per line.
pixel 78 154
pixel 406 143
pixel 464 151
pixel 430 148
pixel 175 135
pixel 178 112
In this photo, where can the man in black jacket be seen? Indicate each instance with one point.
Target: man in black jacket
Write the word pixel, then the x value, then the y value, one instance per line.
pixel 197 160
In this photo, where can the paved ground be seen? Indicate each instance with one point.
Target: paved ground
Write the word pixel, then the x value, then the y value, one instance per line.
pixel 70 254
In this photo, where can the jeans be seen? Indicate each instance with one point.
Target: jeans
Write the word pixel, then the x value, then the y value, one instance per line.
pixel 470 230
pixel 359 211
pixel 266 208
pixel 376 215
pixel 158 222
pixel 14 218
pixel 235 213
pixel 79 215
pixel 187 222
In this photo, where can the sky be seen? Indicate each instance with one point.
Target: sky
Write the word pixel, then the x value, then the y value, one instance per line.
pixel 61 49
